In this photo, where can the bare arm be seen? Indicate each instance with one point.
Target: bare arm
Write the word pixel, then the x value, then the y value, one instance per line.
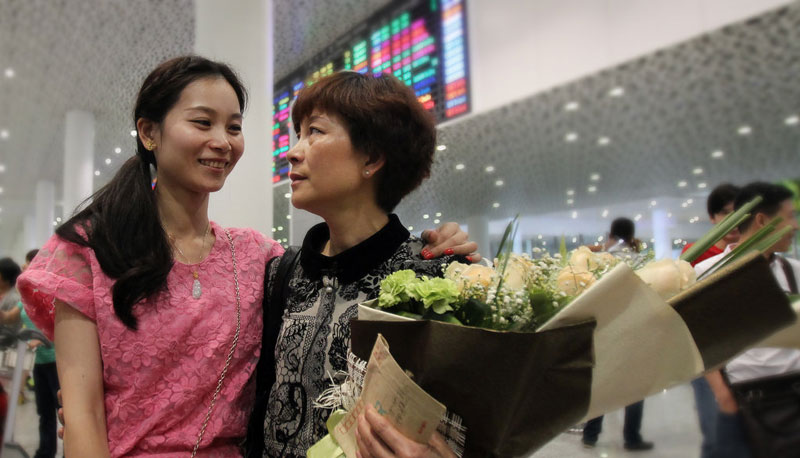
pixel 10 316
pixel 727 404
pixel 80 372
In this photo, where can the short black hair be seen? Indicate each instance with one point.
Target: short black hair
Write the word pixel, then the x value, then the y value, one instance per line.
pixel 721 196
pixel 31 254
pixel 9 270
pixel 773 196
pixel 383 118
pixel 622 229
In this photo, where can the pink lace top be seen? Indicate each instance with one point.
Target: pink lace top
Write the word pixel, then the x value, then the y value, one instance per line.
pixel 159 380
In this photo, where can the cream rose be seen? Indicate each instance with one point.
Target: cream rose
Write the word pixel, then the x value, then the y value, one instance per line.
pixel 572 281
pixel 466 275
pixel 668 277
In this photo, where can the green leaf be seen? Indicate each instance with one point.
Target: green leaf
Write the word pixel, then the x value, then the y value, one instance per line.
pixel 474 313
pixel 720 230
pixel 744 247
pixel 562 247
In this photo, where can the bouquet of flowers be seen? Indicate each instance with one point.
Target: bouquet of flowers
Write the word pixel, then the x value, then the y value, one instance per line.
pixel 523 350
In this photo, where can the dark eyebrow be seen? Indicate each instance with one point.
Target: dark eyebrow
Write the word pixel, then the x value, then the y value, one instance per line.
pixel 211 111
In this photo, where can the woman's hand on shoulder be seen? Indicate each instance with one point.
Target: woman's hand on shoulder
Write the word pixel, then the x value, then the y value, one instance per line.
pixel 377 438
pixel 448 239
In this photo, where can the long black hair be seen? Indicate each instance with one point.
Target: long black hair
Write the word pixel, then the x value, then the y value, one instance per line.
pixel 121 224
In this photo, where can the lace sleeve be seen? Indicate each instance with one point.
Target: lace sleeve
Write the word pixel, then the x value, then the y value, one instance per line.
pixel 61 271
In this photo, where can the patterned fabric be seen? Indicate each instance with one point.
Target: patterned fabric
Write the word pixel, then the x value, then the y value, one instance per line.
pixel 314 339
pixel 158 381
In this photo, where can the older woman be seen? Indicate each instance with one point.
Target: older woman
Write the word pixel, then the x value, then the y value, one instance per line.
pixel 364 143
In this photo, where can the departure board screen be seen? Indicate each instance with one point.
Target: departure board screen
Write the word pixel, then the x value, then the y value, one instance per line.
pixel 423 43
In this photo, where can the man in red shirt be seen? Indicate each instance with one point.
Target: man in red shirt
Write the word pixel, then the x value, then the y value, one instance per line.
pixel 719 204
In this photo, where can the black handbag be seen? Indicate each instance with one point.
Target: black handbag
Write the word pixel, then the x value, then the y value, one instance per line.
pixel 770 412
pixel 770 406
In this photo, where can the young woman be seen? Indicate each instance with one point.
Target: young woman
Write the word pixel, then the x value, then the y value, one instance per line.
pixel 156 310
pixel 364 143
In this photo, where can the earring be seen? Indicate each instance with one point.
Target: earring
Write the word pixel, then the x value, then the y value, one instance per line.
pixel 150 145
pixel 366 173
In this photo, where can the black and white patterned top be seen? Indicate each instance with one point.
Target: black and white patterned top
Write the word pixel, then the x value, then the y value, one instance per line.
pixel 314 338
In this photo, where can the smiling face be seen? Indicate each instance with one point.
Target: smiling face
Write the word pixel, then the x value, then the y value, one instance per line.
pixel 200 139
pixel 327 172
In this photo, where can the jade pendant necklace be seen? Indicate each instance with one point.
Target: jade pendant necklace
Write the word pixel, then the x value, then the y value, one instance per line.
pixel 197 289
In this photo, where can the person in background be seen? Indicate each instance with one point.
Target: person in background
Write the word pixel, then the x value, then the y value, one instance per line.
pixel 9 297
pixel 730 440
pixel 719 205
pixel 45 384
pixel 621 239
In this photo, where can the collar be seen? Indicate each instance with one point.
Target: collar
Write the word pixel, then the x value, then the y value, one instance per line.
pixel 353 263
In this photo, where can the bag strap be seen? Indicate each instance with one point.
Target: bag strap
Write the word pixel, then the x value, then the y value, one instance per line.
pixel 789 272
pixel 273 306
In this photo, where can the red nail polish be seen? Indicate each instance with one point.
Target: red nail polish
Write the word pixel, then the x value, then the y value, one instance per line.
pixel 469 258
pixel 449 252
pixel 427 254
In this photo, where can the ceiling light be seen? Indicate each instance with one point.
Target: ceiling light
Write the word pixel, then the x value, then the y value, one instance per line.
pixel 499 183
pixel 55 223
pixel 652 240
pixel 600 239
pixel 618 91
pixel 539 236
pixel 684 205
pixel 436 221
pixel 701 185
pixel 690 201
pixel 718 154
pixel 605 213
pixel 1 190
pixel 58 219
pixel 544 242
pixel 288 216
pixel 570 201
pixel 682 184
pixel 653 203
pixel 438 214
pixel 644 246
pixel 570 192
pixel 133 133
pixel 745 130
pixel 637 217
pixel 10 72
pixel 574 239
pixel 792 120
pixel 4 134
pixel 669 215
pixel 108 161
pixel 410 228
pixel 572 106
pixel 2 168
pixel 489 169
pixel 118 150
pixel 697 170
pixel 595 177
pixel 571 137
pixel 273 229
pixel 574 215
pixel 97 173
pixel 459 166
pixel 441 147
pixel 603 141
pixel 496 205
pixel 288 195
pixel 426 216
pixel 280 228
pixel 592 189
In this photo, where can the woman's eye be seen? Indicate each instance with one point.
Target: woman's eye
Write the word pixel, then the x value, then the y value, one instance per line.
pixel 314 130
pixel 202 122
pixel 236 128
